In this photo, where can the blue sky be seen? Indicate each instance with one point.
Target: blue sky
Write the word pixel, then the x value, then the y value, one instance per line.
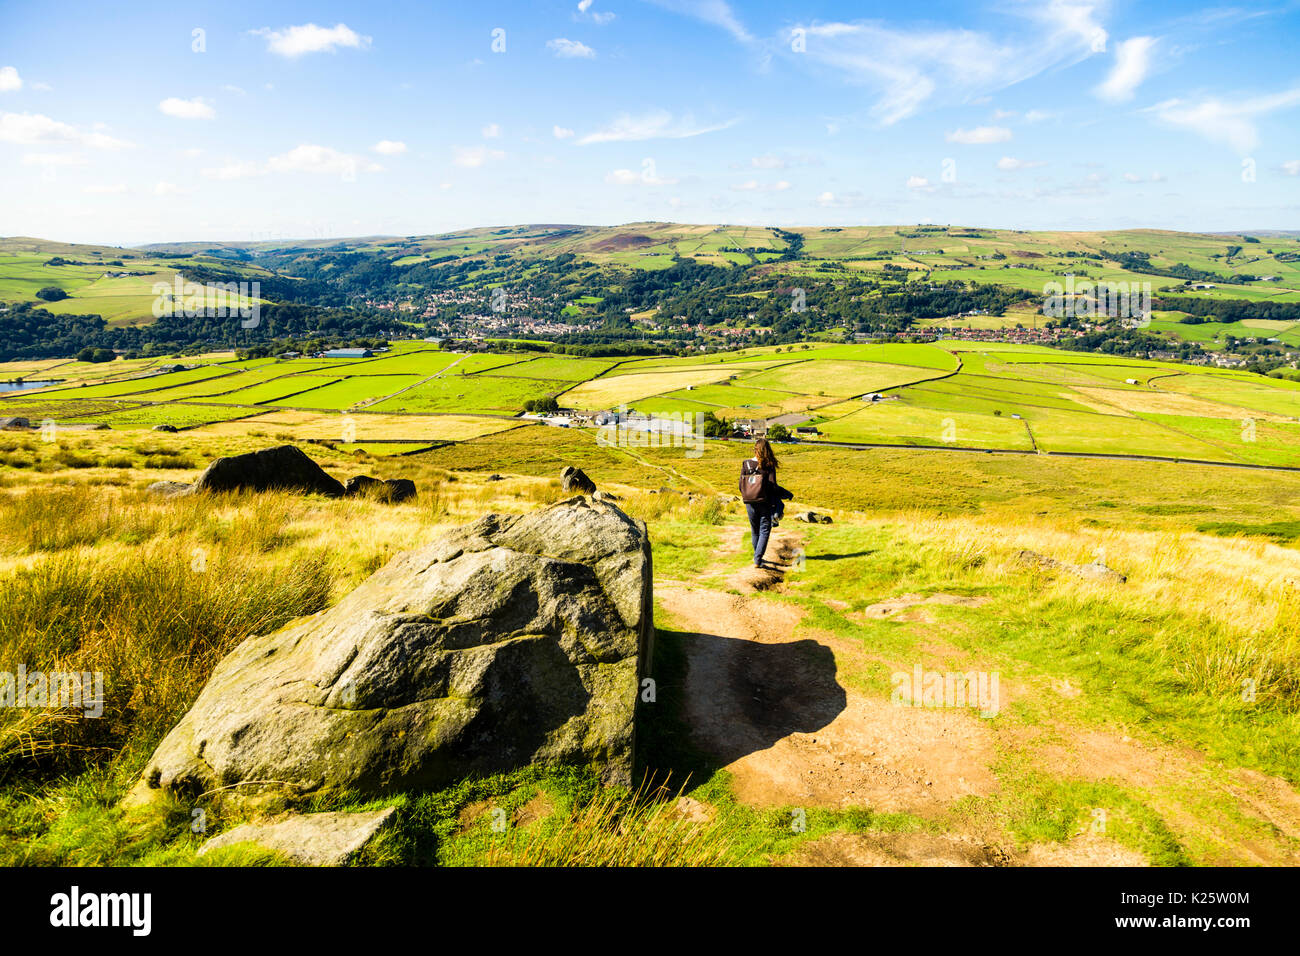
pixel 122 124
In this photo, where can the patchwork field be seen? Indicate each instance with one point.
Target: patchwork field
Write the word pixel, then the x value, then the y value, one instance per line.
pixel 960 394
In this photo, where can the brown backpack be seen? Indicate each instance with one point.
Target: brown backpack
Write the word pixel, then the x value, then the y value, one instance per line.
pixel 753 483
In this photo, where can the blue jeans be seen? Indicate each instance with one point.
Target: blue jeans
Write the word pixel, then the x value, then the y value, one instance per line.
pixel 760 524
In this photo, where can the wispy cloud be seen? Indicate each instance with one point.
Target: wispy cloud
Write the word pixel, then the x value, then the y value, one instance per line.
pixel 646 177
pixel 472 157
pixel 561 132
pixel 1010 163
pixel 34 129
pixel 715 12
pixel 753 185
pixel 307 158
pixel 293 42
pixel 1231 122
pixel 979 135
pixel 908 68
pixel 1132 63
pixel 569 49
pixel 598 17
pixel 389 147
pixel 657 124
pixel 196 108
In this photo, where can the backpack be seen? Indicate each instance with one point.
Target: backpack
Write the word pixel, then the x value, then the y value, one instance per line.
pixel 753 483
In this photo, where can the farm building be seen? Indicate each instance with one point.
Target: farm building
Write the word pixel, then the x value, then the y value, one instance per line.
pixel 807 431
pixel 347 353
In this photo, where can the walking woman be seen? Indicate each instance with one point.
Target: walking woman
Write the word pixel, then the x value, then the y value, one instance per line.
pixel 761 495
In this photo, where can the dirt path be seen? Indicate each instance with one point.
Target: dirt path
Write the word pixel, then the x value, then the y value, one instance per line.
pixel 776 706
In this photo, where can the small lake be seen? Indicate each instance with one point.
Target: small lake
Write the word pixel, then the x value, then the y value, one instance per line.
pixel 20 386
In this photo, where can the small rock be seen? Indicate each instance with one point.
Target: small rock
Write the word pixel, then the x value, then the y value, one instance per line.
pixel 575 479
pixel 170 489
pixel 164 428
pixel 812 517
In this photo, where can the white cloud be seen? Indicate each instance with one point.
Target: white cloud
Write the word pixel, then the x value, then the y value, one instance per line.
pixel 1037 116
pixel 54 159
pixel 715 12
pixel 1132 63
pixel 168 189
pixel 919 182
pixel 197 108
pixel 310 158
pixel 472 157
pixel 233 170
pixel 561 132
pixel 657 124
pixel 912 67
pixel 585 12
pixel 1223 121
pixel 34 129
pixel 389 147
pixel 769 161
pixel 309 38
pixel 112 189
pixel 1291 167
pixel 307 158
pixel 1011 163
pixel 9 79
pixel 569 49
pixel 231 88
pixel 192 152
pixel 1135 178
pixel 491 131
pixel 979 135
pixel 646 177
pixel 754 185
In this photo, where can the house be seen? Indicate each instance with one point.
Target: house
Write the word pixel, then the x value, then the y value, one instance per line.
pixel 752 427
pixel 806 431
pixel 347 353
pixel 289 355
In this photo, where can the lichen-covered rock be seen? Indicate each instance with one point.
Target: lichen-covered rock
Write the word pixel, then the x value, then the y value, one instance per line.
pixel 283 467
pixel 509 641
pixel 312 839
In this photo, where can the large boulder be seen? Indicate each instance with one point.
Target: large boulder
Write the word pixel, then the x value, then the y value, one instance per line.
pixel 14 422
pixel 282 467
pixel 574 481
pixel 512 640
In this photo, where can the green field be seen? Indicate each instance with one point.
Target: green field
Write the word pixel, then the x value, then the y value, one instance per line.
pixel 995 396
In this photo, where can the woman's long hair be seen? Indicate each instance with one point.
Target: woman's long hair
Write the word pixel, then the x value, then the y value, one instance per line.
pixel 763 452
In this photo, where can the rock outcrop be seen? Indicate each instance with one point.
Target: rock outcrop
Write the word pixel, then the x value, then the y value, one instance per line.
pixel 575 481
pixel 509 641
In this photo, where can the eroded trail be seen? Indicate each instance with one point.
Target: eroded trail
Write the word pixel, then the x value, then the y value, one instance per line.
pixel 776 705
